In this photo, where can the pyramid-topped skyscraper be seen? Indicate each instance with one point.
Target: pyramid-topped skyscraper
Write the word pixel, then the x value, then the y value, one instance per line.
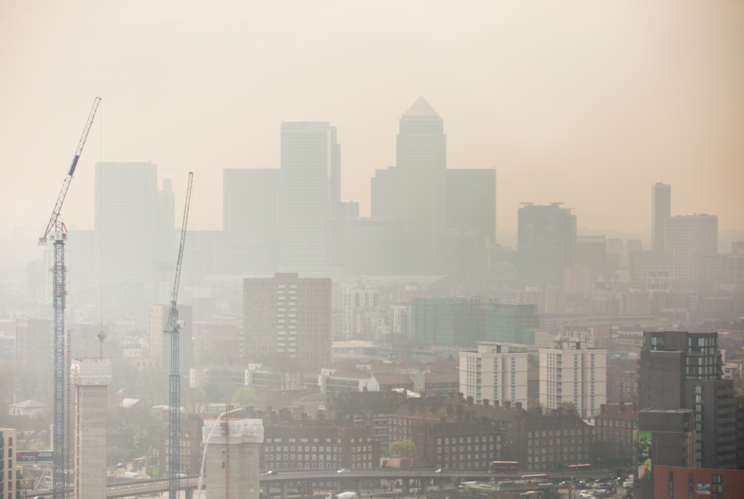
pixel 421 162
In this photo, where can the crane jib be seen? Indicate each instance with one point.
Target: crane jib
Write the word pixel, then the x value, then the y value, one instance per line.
pixel 74 164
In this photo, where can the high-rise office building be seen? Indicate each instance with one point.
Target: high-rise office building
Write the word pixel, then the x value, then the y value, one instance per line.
pixel 688 241
pixel 471 201
pixel 286 316
pixel 546 242
pixel 591 252
pixel 682 370
pixel 421 162
pixel 307 152
pixel 165 246
pixel 34 345
pixel 616 250
pixel 90 379
pixel 494 372
pixel 661 207
pixel 573 372
pixel 250 221
pixel 385 194
pixel 126 201
pixel 159 343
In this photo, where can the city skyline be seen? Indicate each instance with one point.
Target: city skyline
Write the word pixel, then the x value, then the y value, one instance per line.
pixel 599 122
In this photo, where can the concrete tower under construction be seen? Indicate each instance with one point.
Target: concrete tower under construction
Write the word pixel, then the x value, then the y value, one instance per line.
pixel 90 380
pixel 232 458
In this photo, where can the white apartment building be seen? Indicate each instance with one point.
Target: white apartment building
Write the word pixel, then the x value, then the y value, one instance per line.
pixel 573 372
pixel 494 372
pixel 356 299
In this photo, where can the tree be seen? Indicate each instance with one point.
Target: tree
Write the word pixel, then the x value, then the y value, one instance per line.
pixel 404 448
pixel 569 408
pixel 245 395
pixel 219 392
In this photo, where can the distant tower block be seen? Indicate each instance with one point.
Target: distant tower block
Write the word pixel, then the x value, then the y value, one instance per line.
pixel 90 380
pixel 232 458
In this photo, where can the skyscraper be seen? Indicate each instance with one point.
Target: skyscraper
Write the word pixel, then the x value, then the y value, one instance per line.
pixel 688 240
pixel 421 161
pixel 125 221
pixel 307 169
pixel 250 220
pixel 385 194
pixel 547 243
pixel 471 200
pixel 661 205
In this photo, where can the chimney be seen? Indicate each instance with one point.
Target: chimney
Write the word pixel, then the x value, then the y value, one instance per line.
pixel 496 403
pixel 507 404
pixel 450 410
pixel 622 406
pixel 486 402
pixel 461 396
pixel 365 388
pixel 470 400
pixel 321 416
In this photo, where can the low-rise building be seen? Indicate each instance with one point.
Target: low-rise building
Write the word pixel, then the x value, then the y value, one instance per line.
pixel 468 444
pixel 551 442
pixel 313 445
pixel 615 431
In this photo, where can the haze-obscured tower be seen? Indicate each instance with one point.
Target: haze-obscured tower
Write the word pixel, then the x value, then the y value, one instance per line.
pixel 307 152
pixel 661 204
pixel 421 162
pixel 126 200
pixel 547 243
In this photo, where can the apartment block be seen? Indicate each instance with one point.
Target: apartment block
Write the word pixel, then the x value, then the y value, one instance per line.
pixel 495 372
pixel 573 372
pixel 286 316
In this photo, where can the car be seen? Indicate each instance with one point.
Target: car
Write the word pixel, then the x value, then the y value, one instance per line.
pixel 343 470
pixel 120 465
pixel 270 473
pixel 440 470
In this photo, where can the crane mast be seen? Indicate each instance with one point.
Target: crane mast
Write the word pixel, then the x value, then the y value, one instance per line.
pixel 56 232
pixel 174 401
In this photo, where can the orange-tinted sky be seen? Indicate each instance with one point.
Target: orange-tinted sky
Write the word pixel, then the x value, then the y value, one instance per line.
pixel 588 103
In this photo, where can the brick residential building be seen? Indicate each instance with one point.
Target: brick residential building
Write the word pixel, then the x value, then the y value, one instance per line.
pixel 551 442
pixel 615 430
pixel 312 445
pixel 672 481
pixel 468 444
pixel 287 316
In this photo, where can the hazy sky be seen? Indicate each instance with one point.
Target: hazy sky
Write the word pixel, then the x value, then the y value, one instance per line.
pixel 588 103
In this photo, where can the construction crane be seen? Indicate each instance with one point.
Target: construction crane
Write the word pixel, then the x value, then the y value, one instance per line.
pixel 57 232
pixel 174 401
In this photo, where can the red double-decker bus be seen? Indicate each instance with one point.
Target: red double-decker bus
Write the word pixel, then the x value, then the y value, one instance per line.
pixel 504 467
